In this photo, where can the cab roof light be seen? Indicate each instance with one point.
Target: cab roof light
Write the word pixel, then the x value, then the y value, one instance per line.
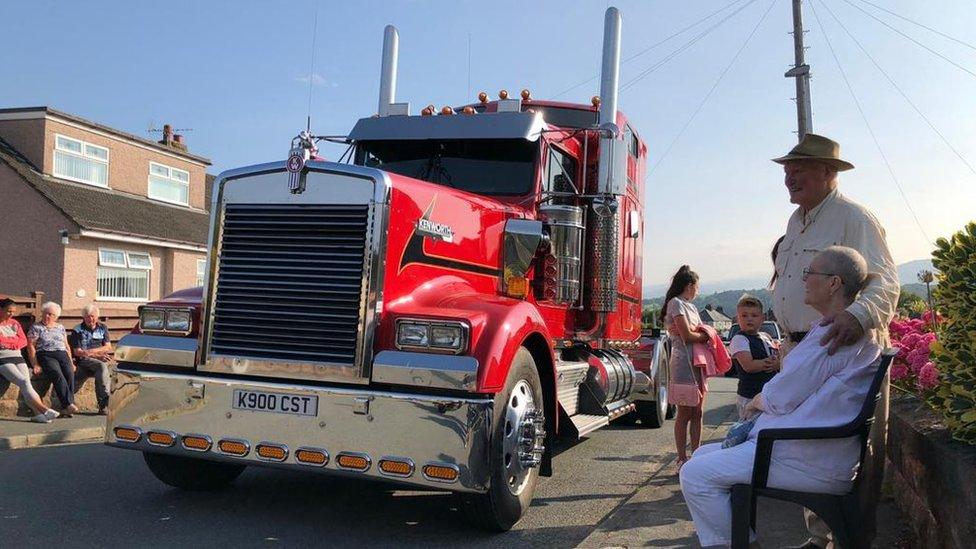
pixel 446 110
pixel 503 94
pixel 269 451
pixel 483 97
pixel 469 110
pixel 128 434
pixel 595 100
pixel 526 94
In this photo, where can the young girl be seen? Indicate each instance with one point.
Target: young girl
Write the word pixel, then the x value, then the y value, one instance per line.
pixel 681 318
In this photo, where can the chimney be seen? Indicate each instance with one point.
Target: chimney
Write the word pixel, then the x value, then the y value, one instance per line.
pixel 167 135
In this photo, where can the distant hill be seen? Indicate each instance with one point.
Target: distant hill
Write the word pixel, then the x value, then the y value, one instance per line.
pixel 917 288
pixel 908 272
pixel 728 299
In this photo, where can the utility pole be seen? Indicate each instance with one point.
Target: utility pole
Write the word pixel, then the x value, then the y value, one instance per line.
pixel 800 71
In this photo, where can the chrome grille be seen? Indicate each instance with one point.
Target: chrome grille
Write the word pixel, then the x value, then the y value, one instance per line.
pixel 289 282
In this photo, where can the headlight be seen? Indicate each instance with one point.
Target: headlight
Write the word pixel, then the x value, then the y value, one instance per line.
pixel 178 321
pixel 435 336
pixel 152 319
pixel 175 321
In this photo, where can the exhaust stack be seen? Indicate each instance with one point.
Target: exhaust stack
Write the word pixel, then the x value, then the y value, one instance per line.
pixel 388 72
pixel 609 83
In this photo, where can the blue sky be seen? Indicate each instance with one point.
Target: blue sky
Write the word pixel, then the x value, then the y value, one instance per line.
pixel 237 74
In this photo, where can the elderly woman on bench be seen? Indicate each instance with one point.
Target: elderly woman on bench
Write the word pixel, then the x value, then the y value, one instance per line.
pixel 814 389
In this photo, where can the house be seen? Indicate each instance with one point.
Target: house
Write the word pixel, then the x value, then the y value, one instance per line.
pixel 92 213
pixel 715 317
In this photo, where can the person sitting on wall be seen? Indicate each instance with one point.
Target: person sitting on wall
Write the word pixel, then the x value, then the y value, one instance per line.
pixel 814 389
pixel 12 365
pixel 92 349
pixel 48 349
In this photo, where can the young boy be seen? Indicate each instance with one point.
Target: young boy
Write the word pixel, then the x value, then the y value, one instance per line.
pixel 754 354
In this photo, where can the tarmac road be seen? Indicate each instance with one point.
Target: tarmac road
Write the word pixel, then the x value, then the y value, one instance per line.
pixel 90 495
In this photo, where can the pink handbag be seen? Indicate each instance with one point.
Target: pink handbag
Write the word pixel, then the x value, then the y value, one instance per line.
pixel 683 387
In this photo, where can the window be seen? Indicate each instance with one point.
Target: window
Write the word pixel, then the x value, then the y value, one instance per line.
pixel 201 269
pixel 560 176
pixel 169 184
pixel 123 276
pixel 80 161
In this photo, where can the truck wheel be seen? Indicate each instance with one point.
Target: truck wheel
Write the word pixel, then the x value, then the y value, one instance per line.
pixel 191 474
pixel 518 432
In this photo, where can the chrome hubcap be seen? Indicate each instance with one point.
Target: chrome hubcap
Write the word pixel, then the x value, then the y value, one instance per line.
pixel 524 436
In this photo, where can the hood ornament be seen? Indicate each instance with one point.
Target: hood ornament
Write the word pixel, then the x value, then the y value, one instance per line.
pixel 302 150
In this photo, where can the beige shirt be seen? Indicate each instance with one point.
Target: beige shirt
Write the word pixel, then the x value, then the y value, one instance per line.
pixel 837 221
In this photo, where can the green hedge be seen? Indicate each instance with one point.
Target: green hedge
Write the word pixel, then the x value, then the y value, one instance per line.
pixel 955 352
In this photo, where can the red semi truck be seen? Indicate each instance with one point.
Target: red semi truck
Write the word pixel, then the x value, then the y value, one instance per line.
pixel 434 312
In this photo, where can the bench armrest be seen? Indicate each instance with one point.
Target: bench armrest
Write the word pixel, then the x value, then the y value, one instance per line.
pixel 767 437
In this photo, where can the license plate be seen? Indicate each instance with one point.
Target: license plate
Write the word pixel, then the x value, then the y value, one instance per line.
pixel 283 403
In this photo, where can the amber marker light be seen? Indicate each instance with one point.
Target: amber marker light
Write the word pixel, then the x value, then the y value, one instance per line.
pixel 310 456
pixel 127 434
pixel 159 438
pixel 517 286
pixel 468 110
pixel 595 100
pixel 447 111
pixel 197 443
pixel 503 94
pixel 526 94
pixel 483 97
pixel 441 473
pixel 354 462
pixel 234 447
pixel 271 452
pixel 397 467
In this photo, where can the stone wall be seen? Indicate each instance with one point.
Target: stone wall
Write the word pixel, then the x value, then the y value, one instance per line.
pixel 933 478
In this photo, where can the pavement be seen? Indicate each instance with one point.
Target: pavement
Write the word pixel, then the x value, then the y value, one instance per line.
pixel 20 432
pixel 619 488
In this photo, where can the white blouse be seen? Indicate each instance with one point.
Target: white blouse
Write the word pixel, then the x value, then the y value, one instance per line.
pixel 815 389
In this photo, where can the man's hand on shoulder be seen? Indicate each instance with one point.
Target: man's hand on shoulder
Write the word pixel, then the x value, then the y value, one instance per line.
pixel 844 330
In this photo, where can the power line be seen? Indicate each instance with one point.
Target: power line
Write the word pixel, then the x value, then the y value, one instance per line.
pixel 900 91
pixel 864 117
pixel 921 45
pixel 713 88
pixel 311 69
pixel 652 46
pixel 917 24
pixel 630 83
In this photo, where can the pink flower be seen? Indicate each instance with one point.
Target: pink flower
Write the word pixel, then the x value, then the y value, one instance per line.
pixel 898 371
pixel 928 376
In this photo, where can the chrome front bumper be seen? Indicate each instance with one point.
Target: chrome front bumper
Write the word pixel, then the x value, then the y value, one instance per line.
pixel 424 430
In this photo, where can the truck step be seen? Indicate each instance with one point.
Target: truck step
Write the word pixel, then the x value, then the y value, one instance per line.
pixel 585 424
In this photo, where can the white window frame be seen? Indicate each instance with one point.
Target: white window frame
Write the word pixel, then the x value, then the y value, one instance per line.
pixel 201 271
pixel 169 178
pixel 127 266
pixel 82 154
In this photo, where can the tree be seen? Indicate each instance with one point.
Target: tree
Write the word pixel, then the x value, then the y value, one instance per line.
pixel 650 317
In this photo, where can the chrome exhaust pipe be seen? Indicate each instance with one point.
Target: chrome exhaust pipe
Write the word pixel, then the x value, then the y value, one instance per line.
pixel 609 84
pixel 388 72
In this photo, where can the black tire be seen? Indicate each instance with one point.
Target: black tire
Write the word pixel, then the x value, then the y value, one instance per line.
pixel 192 474
pixel 499 509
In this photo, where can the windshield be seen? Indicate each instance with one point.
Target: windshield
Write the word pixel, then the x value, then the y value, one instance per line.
pixel 483 166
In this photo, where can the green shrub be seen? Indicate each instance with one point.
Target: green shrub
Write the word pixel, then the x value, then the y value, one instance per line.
pixel 955 352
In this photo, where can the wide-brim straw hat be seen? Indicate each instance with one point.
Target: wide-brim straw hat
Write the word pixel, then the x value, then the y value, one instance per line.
pixel 819 148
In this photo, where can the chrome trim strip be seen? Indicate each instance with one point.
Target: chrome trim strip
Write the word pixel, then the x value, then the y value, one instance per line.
pixel 157 349
pixel 310 449
pixel 426 370
pixel 440 480
pixel 247 447
pixel 408 461
pixel 162 432
pixel 280 446
pixel 369 461
pixel 371 291
pixel 196 435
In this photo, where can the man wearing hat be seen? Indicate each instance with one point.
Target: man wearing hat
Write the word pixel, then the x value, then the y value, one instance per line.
pixel 824 217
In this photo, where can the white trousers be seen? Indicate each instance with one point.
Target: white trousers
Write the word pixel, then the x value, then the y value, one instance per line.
pixel 707 479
